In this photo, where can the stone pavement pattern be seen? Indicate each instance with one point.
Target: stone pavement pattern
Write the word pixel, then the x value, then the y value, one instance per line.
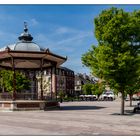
pixel 74 118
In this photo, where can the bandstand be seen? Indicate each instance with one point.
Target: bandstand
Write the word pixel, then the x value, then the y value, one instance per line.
pixel 29 57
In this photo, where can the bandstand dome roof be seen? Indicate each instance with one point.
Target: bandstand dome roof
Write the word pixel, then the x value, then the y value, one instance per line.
pixel 27 54
pixel 24 44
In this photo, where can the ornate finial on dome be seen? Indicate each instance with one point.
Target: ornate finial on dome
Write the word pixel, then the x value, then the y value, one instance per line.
pixel 25 36
pixel 25 27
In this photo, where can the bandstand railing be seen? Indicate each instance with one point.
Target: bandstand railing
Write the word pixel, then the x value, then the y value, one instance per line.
pixel 19 96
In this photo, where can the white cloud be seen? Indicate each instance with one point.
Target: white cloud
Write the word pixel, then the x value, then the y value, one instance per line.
pixel 61 30
pixel 78 36
pixel 64 42
pixel 34 22
pixel 65 30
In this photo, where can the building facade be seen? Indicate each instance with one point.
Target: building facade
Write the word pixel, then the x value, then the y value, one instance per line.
pixel 62 81
pixel 80 80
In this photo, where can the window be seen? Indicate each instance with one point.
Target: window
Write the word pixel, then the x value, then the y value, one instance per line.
pixel 78 87
pixel 78 82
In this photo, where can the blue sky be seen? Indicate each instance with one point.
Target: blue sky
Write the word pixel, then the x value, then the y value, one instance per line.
pixel 67 30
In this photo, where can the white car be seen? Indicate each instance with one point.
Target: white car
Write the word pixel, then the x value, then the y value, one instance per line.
pixel 108 95
pixel 88 97
pixel 136 97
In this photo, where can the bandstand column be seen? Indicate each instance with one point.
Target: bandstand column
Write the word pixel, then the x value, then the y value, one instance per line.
pixel 41 82
pixel 14 80
pixel 53 82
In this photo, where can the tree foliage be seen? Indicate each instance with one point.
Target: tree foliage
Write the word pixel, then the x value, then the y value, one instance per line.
pixel 6 80
pixel 87 88
pixel 98 89
pixel 116 58
pixel 133 88
pixel 95 89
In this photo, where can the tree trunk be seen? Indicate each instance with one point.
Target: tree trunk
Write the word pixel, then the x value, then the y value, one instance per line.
pixel 3 89
pixel 61 100
pixel 98 96
pixel 122 103
pixel 2 85
pixel 130 97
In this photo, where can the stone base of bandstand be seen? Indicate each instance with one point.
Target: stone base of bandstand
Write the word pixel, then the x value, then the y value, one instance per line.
pixel 26 105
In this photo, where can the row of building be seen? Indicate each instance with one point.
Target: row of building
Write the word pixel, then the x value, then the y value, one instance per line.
pixel 66 82
pixel 63 81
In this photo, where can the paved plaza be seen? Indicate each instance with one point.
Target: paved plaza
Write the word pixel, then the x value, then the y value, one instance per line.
pixel 93 118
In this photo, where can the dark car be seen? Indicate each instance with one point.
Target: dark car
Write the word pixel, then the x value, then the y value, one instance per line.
pixel 136 108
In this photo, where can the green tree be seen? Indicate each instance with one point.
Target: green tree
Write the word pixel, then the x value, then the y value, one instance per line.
pixel 132 89
pixel 87 88
pixel 98 89
pixel 6 80
pixel 61 95
pixel 116 58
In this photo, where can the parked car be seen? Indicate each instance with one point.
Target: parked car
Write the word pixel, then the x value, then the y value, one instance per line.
pixel 127 98
pixel 136 97
pixel 87 97
pixel 108 95
pixel 136 108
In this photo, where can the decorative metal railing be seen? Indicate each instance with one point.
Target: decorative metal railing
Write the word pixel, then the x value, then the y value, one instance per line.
pixel 19 96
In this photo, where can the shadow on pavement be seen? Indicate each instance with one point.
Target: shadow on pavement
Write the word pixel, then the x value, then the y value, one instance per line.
pixel 131 112
pixel 127 113
pixel 81 107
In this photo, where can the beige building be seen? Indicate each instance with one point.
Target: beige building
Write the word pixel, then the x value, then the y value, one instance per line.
pixel 62 80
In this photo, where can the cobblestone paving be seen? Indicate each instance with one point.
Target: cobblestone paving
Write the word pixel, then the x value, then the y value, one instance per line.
pixel 75 118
